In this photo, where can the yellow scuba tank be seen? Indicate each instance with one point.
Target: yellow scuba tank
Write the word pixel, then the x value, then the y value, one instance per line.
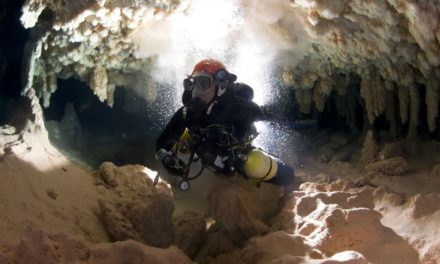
pixel 260 166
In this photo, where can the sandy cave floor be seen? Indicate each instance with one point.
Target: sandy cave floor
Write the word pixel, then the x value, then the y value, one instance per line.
pixel 339 214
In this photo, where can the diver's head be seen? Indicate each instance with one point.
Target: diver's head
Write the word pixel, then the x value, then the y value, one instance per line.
pixel 207 75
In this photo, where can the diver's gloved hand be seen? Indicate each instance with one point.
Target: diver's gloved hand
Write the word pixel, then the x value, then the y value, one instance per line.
pixel 161 154
pixel 173 165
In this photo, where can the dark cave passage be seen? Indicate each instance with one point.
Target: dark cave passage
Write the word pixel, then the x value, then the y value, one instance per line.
pixel 102 133
pixel 13 37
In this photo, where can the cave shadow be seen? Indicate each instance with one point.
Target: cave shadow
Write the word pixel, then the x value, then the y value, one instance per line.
pixel 13 37
pixel 123 134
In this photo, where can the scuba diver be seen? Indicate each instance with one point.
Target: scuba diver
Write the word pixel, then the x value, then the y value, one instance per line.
pixel 215 126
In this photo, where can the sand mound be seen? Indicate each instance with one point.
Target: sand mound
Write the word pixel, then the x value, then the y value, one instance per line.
pixel 236 209
pixel 54 211
pixel 135 209
pixel 41 247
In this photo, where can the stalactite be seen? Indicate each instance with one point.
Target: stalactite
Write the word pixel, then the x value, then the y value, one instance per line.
pixel 432 94
pixel 304 99
pixel 52 83
pixel 414 98
pixel 98 82
pixel 391 112
pixel 48 86
pixel 366 93
pixel 321 91
pixel 308 79
pixel 32 65
pixel 325 85
pixel 319 99
pixel 41 81
pixel 110 94
pixel 403 93
pixel 379 95
pixel 373 92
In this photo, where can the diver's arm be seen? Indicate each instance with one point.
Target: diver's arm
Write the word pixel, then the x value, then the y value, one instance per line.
pixel 268 112
pixel 246 110
pixel 172 131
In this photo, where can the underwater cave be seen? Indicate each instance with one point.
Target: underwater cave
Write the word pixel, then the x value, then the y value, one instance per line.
pixel 352 91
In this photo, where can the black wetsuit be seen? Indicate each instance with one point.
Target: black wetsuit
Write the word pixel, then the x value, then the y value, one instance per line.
pixel 236 114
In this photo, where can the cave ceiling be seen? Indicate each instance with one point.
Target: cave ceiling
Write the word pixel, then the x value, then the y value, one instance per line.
pixel 391 45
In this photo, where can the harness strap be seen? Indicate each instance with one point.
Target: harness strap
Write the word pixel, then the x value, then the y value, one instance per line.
pixel 208 112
